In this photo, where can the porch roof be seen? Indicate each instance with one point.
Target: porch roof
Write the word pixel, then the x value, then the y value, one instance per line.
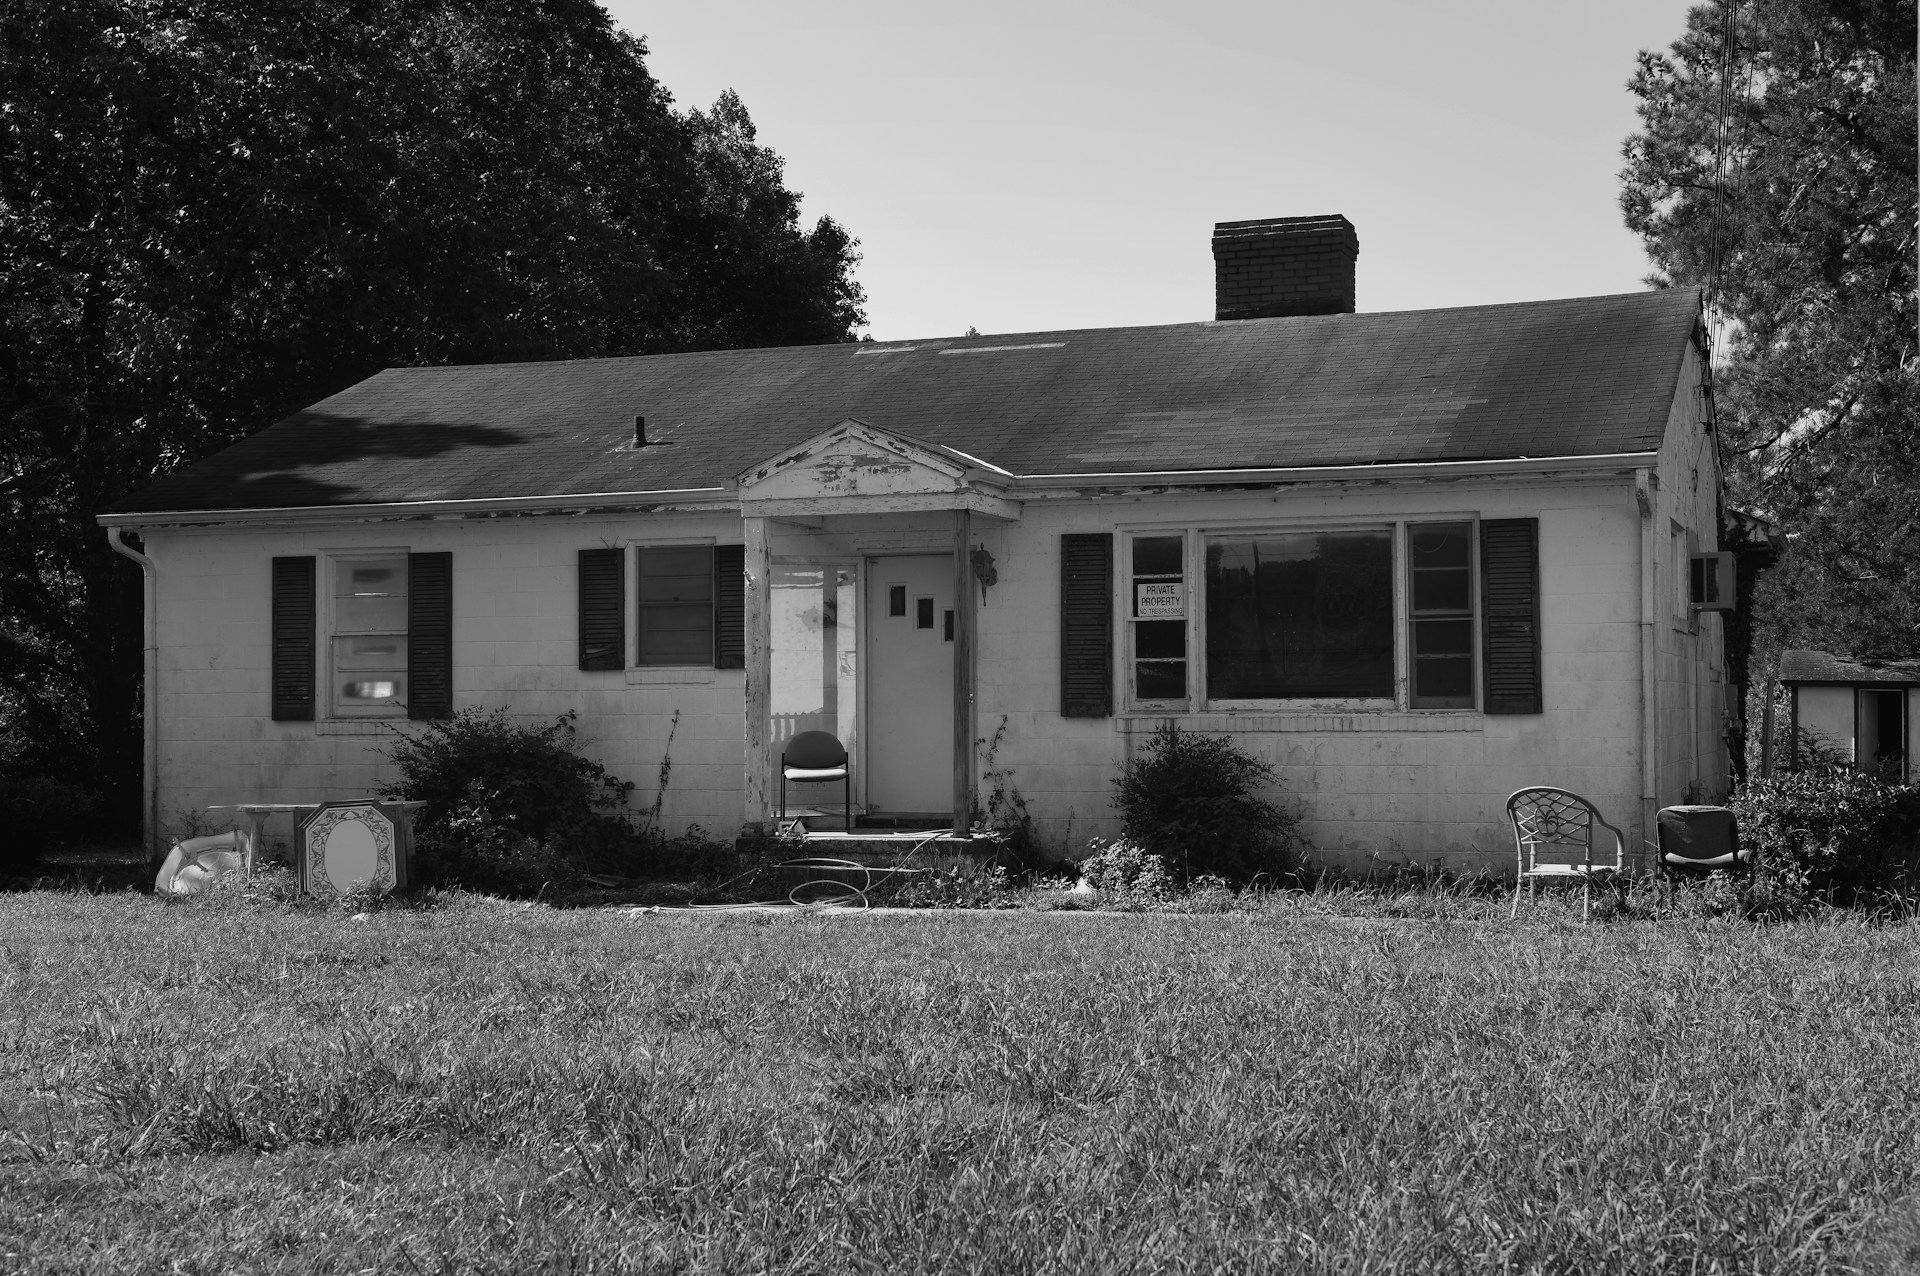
pixel 1544 379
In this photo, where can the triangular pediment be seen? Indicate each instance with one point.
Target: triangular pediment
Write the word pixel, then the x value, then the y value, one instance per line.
pixel 854 466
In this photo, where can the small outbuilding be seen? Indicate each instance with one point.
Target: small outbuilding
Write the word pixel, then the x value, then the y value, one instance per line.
pixel 1862 710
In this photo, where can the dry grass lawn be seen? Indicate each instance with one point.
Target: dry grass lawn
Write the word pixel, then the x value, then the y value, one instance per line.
pixel 215 1086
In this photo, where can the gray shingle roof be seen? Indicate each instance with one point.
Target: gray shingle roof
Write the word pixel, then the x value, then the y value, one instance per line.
pixel 1536 379
pixel 1822 666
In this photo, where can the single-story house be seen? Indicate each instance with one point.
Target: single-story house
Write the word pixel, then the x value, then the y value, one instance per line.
pixel 1414 560
pixel 1864 711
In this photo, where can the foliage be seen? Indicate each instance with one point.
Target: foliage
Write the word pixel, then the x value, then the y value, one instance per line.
pixel 511 806
pixel 1819 400
pixel 1191 799
pixel 38 815
pixel 215 212
pixel 1833 833
pixel 1126 873
pixel 483 1086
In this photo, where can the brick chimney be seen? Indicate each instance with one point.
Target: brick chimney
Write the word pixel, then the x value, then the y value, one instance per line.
pixel 1284 266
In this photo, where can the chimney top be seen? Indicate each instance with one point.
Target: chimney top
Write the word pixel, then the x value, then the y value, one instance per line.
pixel 1275 266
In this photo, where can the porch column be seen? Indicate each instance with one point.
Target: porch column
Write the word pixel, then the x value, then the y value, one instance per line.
pixel 962 672
pixel 758 807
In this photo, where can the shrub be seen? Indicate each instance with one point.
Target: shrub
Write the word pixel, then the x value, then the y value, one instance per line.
pixel 39 815
pixel 1834 833
pixel 1128 873
pixel 1191 799
pixel 511 806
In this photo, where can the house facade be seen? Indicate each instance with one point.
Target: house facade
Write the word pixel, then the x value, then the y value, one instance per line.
pixel 1415 561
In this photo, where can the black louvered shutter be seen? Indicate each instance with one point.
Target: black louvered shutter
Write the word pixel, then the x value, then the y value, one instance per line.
pixel 1510 613
pixel 430 635
pixel 293 638
pixel 603 609
pixel 729 606
pixel 1086 625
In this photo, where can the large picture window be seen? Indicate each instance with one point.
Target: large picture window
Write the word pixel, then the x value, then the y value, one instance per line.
pixel 1300 616
pixel 369 642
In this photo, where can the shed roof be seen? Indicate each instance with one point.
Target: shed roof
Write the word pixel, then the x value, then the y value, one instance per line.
pixel 1580 377
pixel 1822 666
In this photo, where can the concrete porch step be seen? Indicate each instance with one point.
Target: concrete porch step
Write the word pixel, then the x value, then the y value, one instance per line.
pixel 918 848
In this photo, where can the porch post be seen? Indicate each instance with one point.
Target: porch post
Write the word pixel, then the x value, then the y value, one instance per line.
pixel 962 673
pixel 758 807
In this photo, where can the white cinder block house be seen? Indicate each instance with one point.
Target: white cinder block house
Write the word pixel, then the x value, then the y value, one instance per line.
pixel 1415 560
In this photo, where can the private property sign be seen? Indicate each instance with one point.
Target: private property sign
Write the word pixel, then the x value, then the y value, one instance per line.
pixel 1160 599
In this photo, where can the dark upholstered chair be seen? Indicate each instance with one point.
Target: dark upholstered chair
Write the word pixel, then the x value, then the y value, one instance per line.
pixel 815 757
pixel 1699 839
pixel 1557 834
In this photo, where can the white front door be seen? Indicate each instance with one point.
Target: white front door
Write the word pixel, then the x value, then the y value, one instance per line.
pixel 910 684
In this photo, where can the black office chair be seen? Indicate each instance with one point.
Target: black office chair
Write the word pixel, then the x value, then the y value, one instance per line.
pixel 814 757
pixel 1699 839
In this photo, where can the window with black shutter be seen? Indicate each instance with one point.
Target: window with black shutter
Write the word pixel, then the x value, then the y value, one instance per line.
pixel 1086 625
pixel 293 639
pixel 1510 614
pixel 603 609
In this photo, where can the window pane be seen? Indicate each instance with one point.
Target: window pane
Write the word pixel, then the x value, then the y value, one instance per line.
pixel 676 635
pixel 1438 545
pixel 682 575
pixel 1157 556
pixel 1447 590
pixel 1447 678
pixel 389 651
pixel 1300 615
pixel 1161 639
pixel 1160 679
pixel 1442 637
pixel 361 613
pixel 371 576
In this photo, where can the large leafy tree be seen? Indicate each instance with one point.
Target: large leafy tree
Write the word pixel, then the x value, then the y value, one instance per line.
pixel 1776 166
pixel 215 211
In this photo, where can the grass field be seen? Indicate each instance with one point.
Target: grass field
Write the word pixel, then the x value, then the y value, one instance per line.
pixel 485 1087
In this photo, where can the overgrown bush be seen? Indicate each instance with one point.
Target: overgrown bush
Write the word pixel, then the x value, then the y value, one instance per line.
pixel 40 815
pixel 1191 799
pixel 1127 873
pixel 511 806
pixel 1833 833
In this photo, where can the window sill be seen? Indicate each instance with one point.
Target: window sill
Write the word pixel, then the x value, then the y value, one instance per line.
pixel 656 675
pixel 356 726
pixel 1459 721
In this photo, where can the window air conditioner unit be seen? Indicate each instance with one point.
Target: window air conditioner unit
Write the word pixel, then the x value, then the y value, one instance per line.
pixel 1713 582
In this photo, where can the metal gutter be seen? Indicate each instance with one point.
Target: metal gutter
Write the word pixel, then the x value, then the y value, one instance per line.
pixel 723 497
pixel 1619 461
pixel 426 509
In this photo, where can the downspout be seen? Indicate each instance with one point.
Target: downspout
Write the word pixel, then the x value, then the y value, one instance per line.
pixel 1644 491
pixel 149 694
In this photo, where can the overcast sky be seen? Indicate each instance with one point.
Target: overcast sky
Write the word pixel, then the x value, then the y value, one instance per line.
pixel 1051 164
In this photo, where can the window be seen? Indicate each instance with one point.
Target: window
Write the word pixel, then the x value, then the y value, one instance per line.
pixel 369 638
pixel 1413 615
pixel 1440 615
pixel 676 605
pixel 1158 609
pixel 1300 616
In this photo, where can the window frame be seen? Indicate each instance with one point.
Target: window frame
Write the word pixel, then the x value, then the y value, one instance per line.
pixel 330 633
pixel 637 551
pixel 1196 535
